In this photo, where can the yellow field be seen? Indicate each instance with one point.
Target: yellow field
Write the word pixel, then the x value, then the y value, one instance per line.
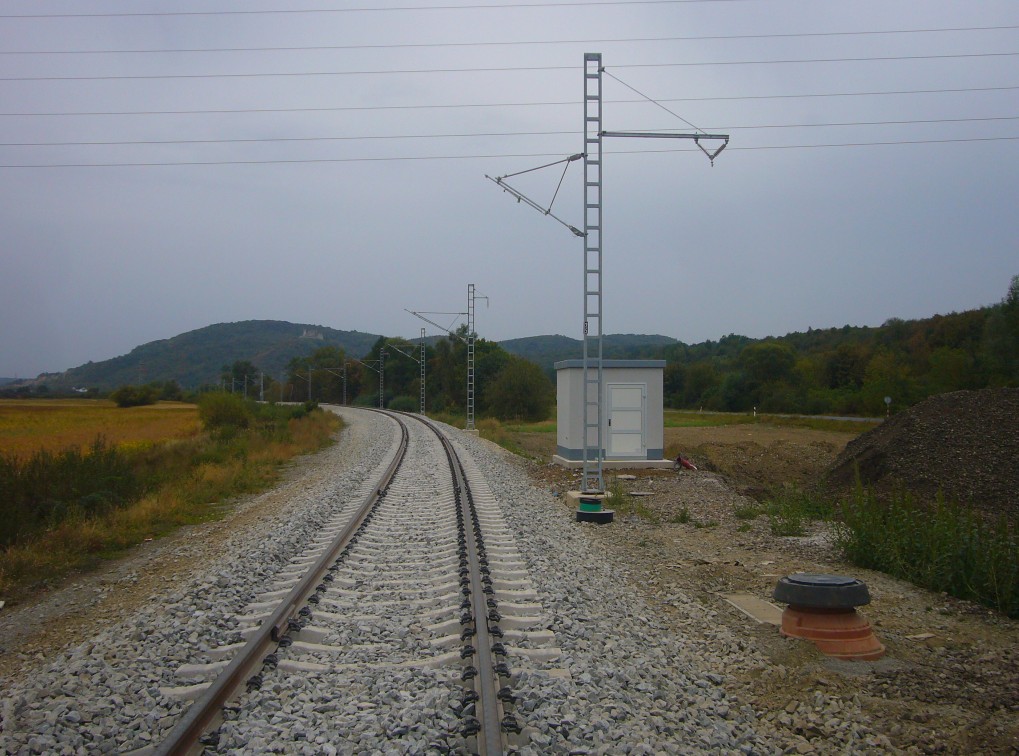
pixel 32 424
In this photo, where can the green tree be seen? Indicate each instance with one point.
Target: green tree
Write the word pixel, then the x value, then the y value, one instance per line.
pixel 673 384
pixel 241 377
pixel 520 391
pixel 846 366
pixel 701 378
pixel 1001 339
pixel 767 361
pixel 134 396
pixel 887 375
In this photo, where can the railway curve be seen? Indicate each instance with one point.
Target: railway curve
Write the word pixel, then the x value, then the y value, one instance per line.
pixel 587 666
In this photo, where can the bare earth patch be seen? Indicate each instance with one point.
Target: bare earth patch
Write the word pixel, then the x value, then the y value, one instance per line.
pixel 949 682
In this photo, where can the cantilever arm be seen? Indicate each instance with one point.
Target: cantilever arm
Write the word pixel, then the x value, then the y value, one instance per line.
pixel 523 198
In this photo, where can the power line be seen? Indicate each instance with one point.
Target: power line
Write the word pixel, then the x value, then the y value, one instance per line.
pixel 310 11
pixel 515 43
pixel 554 103
pixel 415 158
pixel 484 134
pixel 497 69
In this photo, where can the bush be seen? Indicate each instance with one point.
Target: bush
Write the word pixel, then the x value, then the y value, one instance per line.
pixel 134 396
pixel 221 411
pixel 405 404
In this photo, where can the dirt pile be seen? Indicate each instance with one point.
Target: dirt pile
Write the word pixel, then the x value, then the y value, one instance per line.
pixel 965 444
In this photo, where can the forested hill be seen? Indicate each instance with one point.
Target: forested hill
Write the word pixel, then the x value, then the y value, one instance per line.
pixel 547 350
pixel 847 370
pixel 197 357
pixel 850 370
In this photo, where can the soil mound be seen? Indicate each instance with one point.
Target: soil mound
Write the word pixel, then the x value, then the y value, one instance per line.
pixel 965 444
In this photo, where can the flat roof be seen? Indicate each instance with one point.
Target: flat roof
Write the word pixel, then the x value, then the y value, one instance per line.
pixel 567 364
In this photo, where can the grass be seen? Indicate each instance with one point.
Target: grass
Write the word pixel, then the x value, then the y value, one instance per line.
pixel 627 506
pixel 748 511
pixel 64 511
pixel 28 425
pixel 792 508
pixel 682 517
pixel 695 419
pixel 943 547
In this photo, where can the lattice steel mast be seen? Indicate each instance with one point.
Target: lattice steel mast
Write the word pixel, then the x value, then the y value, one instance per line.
pixel 592 480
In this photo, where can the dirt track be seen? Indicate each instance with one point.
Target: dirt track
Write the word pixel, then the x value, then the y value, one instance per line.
pixel 949 682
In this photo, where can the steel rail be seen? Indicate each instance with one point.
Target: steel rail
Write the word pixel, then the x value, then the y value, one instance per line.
pixel 490 742
pixel 206 710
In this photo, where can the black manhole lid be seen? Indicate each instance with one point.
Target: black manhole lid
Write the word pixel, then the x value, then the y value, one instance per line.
pixel 818 591
pixel 808 578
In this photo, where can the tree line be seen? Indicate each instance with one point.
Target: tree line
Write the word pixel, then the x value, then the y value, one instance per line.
pixel 506 386
pixel 850 370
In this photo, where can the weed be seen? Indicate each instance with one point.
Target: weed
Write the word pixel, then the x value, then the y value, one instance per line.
pixel 792 508
pixel 61 511
pixel 748 511
pixel 943 547
pixel 682 517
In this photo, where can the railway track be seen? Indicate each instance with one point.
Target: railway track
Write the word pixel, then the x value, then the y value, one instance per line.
pixel 397 623
pixel 375 660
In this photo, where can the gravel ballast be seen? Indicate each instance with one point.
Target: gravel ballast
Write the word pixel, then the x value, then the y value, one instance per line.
pixel 631 679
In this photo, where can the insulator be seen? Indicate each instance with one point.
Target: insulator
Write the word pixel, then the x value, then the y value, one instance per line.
pixel 313 598
pixel 470 696
pixel 466 618
pixel 502 669
pixel 471 727
pixel 469 673
pixel 495 631
pixel 466 652
pixel 254 682
pixel 467 632
pixel 498 649
pixel 506 695
pixel 294 626
pixel 305 611
pixel 494 616
pixel 209 739
pixel 510 724
pixel 271 661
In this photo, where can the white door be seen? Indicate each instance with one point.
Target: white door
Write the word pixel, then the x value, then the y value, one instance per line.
pixel 626 420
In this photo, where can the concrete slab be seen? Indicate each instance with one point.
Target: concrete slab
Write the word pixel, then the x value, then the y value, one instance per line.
pixel 616 464
pixel 757 609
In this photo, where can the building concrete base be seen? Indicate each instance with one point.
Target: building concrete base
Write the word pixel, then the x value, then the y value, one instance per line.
pixel 616 464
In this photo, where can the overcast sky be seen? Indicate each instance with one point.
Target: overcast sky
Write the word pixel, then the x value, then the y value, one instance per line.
pixel 170 165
